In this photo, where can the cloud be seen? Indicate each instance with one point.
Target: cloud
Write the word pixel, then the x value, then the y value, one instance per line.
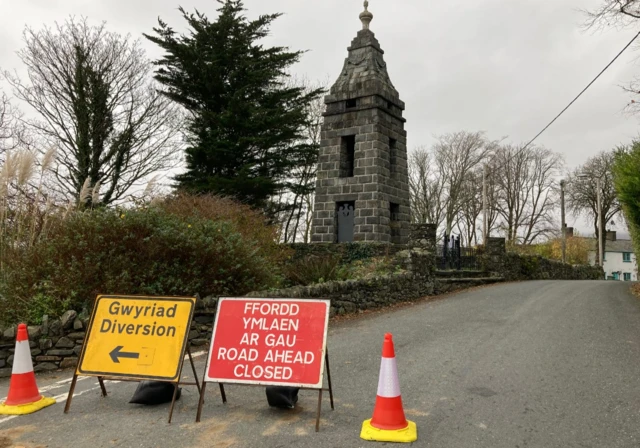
pixel 502 66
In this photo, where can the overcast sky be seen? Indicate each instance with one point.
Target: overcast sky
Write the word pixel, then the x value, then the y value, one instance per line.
pixel 502 66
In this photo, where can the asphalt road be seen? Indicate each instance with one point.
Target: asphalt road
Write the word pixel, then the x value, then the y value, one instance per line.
pixel 534 364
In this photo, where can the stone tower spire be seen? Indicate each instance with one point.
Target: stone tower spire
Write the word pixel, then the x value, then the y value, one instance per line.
pixel 362 187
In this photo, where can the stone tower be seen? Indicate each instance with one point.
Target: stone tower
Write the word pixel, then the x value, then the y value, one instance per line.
pixel 362 187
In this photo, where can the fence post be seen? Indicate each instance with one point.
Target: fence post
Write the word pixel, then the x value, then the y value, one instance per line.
pixel 445 252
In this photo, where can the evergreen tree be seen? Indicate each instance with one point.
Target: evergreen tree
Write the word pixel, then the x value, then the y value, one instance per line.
pixel 245 132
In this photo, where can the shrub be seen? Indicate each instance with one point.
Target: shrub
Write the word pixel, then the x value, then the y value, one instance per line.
pixel 314 269
pixel 577 250
pixel 252 224
pixel 129 252
pixel 358 251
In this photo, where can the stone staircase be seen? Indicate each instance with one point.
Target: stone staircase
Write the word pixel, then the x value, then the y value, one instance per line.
pixel 449 281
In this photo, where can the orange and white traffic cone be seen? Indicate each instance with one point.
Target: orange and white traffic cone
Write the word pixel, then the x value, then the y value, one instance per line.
pixel 23 397
pixel 389 423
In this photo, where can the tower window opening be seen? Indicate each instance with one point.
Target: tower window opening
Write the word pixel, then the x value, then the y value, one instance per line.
pixel 347 156
pixel 393 155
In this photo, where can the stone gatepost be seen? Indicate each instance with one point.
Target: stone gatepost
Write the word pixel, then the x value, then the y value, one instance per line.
pixel 420 256
pixel 493 259
pixel 496 246
pixel 423 236
pixel 362 187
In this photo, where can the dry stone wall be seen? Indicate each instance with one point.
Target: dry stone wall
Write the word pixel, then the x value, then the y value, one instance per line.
pixel 512 266
pixel 347 251
pixel 56 344
pixel 354 296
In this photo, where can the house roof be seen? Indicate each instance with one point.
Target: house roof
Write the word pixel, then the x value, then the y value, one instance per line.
pixel 613 246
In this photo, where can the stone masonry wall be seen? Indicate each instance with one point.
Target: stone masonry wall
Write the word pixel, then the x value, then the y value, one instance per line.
pixel 56 344
pixel 354 296
pixel 347 251
pixel 511 266
pixel 357 295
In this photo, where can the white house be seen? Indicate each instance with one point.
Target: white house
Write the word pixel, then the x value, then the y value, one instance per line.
pixel 620 262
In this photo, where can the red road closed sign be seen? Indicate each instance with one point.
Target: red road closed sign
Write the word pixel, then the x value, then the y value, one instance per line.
pixel 279 342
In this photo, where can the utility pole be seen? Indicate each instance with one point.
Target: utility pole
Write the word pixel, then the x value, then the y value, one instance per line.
pixel 600 222
pixel 562 223
pixel 599 217
pixel 485 224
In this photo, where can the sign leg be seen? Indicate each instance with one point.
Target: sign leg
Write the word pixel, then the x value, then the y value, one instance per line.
pixel 319 409
pixel 193 367
pixel 326 360
pixel 102 388
pixel 173 401
pixel 201 402
pixel 224 396
pixel 71 389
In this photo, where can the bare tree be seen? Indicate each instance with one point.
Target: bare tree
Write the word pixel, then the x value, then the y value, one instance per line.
pixel 426 188
pixel 96 103
pixel 455 156
pixel 470 206
pixel 616 13
pixel 471 210
pixel 510 167
pixel 12 131
pixel 582 192
pixel 493 195
pixel 543 195
pixel 297 200
pixel 527 194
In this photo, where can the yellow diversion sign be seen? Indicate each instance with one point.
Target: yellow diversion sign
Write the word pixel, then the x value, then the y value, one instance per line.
pixel 137 337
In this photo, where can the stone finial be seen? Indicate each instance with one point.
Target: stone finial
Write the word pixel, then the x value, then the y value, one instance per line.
pixel 365 16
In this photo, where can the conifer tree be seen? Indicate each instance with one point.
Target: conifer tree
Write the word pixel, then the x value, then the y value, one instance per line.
pixel 245 128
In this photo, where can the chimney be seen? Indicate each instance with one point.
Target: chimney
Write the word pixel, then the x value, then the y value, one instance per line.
pixel 611 235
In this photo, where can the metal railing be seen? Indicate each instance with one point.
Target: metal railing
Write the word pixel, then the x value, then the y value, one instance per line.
pixel 456 258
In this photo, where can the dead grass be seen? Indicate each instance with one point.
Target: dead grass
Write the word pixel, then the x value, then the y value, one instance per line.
pixel 635 289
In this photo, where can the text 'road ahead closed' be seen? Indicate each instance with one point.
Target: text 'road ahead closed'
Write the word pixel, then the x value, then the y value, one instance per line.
pixel 269 341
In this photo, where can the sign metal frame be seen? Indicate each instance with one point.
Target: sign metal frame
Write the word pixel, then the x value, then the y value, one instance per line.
pixel 133 377
pixel 324 366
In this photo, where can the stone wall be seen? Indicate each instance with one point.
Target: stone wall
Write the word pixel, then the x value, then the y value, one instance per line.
pixel 357 295
pixel 56 344
pixel 349 251
pixel 512 266
pixel 354 296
